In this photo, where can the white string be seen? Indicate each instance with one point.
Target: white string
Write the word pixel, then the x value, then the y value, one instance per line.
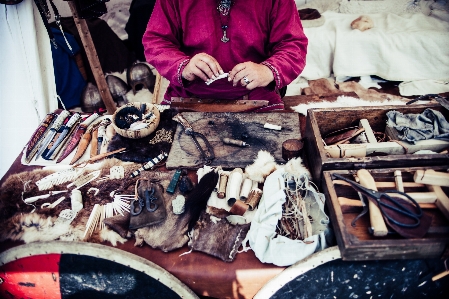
pixel 25 185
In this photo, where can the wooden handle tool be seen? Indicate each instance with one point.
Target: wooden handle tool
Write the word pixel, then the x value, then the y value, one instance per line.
pixel 376 219
pixel 432 177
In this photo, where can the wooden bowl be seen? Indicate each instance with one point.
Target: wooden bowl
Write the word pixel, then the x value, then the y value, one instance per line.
pixel 138 133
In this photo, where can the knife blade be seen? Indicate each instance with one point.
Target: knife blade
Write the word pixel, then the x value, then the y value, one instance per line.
pixel 65 131
pixel 52 132
pixel 76 136
pixel 58 132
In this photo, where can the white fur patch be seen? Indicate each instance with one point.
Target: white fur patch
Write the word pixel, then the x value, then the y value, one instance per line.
pixel 109 235
pixel 296 167
pixel 262 167
pixel 343 101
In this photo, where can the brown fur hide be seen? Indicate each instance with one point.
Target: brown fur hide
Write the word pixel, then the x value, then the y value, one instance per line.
pixel 368 94
pixel 214 235
pixel 172 232
pixel 18 223
pixel 322 86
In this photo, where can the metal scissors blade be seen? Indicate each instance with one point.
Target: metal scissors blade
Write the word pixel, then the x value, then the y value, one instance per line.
pixel 208 154
pixel 397 205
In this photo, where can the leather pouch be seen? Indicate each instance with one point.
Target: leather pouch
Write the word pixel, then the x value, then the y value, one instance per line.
pixel 148 207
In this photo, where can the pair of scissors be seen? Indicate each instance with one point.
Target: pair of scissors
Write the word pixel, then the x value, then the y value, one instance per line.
pixel 397 205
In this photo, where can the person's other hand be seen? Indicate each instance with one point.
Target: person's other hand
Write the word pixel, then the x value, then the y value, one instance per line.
pixel 257 75
pixel 203 66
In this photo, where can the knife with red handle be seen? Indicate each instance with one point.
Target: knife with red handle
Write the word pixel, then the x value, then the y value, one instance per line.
pixel 37 137
pixel 76 136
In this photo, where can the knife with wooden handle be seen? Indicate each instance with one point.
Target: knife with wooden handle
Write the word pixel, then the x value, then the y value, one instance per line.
pixel 376 219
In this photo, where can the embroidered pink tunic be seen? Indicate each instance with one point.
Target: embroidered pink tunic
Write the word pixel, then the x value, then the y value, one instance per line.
pixel 261 31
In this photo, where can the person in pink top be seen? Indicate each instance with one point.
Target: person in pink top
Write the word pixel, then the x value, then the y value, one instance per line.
pixel 259 43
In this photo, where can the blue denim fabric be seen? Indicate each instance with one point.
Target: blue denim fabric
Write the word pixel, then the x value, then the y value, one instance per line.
pixel 414 127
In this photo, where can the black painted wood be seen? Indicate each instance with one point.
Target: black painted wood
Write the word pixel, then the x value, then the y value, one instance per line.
pixel 89 277
pixel 371 279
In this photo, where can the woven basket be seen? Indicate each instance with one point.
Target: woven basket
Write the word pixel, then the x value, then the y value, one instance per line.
pixel 140 133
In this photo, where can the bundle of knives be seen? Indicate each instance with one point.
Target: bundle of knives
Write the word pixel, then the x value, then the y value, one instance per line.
pixel 58 135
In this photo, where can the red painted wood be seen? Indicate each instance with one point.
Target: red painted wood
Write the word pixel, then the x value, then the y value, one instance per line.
pixel 34 277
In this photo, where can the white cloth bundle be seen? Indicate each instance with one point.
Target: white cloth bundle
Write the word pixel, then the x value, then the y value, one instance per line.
pixel 262 237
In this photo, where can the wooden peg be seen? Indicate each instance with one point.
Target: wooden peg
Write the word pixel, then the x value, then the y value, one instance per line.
pixel 442 274
pixel 398 180
pixel 376 218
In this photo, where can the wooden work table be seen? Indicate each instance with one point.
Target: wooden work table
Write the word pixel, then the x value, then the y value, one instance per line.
pixel 203 274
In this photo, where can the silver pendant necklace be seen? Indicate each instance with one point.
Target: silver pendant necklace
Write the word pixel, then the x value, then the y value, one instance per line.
pixel 224 7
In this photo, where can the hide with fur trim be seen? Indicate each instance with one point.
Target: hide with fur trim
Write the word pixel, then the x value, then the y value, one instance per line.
pixel 217 237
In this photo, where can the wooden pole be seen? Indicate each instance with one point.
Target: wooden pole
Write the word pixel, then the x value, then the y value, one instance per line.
pixel 157 88
pixel 94 63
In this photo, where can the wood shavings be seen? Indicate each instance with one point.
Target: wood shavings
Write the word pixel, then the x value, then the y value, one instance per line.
pixel 162 135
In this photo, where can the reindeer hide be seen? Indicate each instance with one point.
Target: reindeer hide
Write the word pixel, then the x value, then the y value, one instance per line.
pixel 18 222
pixel 217 237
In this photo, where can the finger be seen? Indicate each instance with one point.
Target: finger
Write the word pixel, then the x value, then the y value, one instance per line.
pixel 213 64
pixel 239 67
pixel 245 81
pixel 200 74
pixel 205 72
pixel 238 78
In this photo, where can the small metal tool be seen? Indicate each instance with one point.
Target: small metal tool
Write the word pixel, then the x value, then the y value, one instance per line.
pixel 235 142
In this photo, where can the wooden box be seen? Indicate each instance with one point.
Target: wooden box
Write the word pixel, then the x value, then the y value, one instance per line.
pixel 357 243
pixel 322 121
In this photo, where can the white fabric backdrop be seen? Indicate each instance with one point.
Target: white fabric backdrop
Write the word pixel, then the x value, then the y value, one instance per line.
pixel 27 85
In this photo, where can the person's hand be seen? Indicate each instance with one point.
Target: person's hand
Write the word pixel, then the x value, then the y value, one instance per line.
pixel 203 66
pixel 251 75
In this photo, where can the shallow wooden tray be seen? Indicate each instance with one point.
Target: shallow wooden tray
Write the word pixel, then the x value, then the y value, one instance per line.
pixel 356 243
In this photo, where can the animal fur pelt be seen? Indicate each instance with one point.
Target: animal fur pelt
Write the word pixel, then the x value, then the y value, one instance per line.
pixel 343 101
pixel 215 236
pixel 197 199
pixel 323 86
pixel 172 232
pixel 18 223
pixel 142 150
pixel 263 165
pixel 369 94
pixel 296 167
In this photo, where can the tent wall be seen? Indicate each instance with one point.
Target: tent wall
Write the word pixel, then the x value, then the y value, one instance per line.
pixel 27 86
